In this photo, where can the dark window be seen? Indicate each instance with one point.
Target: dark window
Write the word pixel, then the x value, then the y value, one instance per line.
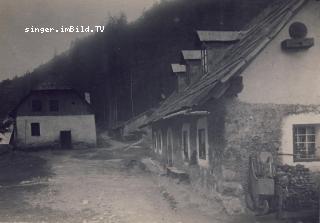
pixel 155 141
pixel 187 78
pixel 304 139
pixel 35 129
pixel 54 105
pixel 202 143
pixel 36 105
pixel 185 141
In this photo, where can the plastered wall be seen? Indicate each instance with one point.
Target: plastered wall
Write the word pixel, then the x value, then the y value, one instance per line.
pixel 82 129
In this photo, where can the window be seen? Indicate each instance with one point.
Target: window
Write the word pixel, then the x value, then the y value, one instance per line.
pixel 170 152
pixel 204 61
pixel 36 105
pixel 202 143
pixel 54 105
pixel 155 142
pixel 35 129
pixel 304 143
pixel 185 144
pixel 159 144
pixel 187 78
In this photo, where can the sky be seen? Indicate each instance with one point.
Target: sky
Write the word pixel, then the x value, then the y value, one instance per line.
pixel 22 51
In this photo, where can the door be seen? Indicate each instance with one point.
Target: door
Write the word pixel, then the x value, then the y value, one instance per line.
pixel 65 140
pixel 169 148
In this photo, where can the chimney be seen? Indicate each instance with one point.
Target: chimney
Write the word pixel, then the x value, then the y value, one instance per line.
pixel 87 97
pixel 213 46
pixel 182 80
pixel 192 61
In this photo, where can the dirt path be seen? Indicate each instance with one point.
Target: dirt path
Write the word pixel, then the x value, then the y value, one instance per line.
pixel 98 185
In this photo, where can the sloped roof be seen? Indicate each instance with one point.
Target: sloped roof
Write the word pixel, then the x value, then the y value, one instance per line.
pixel 43 87
pixel 219 36
pixel 260 32
pixel 178 68
pixel 191 54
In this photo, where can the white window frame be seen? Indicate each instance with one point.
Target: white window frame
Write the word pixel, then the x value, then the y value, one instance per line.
pixel 155 142
pixel 170 136
pixel 160 142
pixel 286 146
pixel 185 128
pixel 204 60
pixel 202 124
pixel 307 142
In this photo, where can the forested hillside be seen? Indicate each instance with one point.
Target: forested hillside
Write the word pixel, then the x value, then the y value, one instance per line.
pixel 133 57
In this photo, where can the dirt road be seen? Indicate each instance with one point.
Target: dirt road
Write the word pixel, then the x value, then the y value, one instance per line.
pixel 97 185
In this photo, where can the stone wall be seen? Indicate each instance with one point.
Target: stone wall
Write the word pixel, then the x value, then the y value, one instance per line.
pixel 235 131
pixel 246 129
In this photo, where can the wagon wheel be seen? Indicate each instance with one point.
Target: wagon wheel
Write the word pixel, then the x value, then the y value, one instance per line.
pixel 256 202
pixel 249 202
pixel 264 207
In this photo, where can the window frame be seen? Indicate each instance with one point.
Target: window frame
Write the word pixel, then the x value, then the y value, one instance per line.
pixel 170 143
pixel 185 129
pixel 160 142
pixel 202 124
pixel 202 154
pixel 306 142
pixel 35 129
pixel 155 142
pixel 204 60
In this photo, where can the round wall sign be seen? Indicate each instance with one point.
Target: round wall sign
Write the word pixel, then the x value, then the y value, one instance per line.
pixel 298 30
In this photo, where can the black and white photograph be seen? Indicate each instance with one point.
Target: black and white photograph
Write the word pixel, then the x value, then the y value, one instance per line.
pixel 159 111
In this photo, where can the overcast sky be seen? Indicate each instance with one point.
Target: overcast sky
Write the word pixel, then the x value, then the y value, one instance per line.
pixel 21 52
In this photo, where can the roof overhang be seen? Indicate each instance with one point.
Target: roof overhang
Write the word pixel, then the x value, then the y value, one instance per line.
pixel 191 54
pixel 187 112
pixel 181 113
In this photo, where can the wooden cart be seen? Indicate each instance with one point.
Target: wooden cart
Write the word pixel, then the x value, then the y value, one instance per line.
pixel 266 195
pixel 261 183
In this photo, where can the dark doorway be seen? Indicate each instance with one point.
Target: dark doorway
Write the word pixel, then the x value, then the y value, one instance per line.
pixel 65 139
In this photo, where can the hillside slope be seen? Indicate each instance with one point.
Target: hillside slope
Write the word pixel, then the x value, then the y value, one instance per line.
pixel 133 57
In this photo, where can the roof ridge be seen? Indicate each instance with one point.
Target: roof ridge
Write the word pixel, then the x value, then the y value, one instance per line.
pixel 262 30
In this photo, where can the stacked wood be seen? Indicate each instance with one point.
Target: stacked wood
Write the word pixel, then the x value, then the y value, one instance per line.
pixel 296 189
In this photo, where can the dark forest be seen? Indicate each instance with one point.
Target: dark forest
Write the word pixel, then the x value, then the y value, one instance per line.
pixel 126 69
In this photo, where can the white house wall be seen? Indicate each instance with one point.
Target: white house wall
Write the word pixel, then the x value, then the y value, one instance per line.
pixel 82 129
pixel 281 77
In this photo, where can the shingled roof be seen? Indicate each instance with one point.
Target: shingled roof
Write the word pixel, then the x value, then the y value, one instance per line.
pixel 261 31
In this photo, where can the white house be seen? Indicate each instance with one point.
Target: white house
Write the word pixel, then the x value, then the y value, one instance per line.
pixel 54 116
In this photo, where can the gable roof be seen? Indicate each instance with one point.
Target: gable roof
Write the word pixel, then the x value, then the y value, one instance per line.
pixel 219 36
pixel 213 85
pixel 13 112
pixel 191 54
